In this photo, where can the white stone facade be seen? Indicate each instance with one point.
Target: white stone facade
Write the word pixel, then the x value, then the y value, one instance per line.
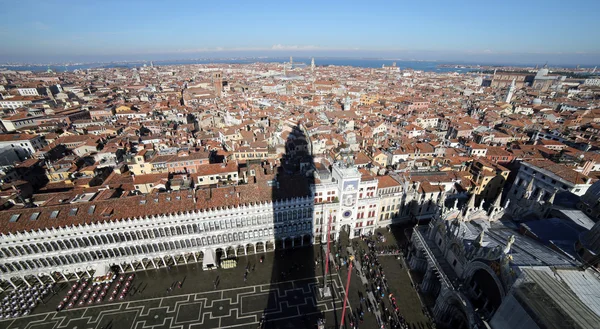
pixel 91 248
pixel 155 241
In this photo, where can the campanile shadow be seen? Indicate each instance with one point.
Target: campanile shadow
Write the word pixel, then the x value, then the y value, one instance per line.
pixel 294 290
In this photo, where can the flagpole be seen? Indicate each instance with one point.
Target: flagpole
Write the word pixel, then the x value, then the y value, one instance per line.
pixel 350 260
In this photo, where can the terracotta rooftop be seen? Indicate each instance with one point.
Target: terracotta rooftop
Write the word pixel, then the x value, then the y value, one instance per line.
pixel 560 170
pixel 153 204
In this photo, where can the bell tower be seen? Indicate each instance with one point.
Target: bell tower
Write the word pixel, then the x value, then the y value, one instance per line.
pixel 511 92
pixel 217 81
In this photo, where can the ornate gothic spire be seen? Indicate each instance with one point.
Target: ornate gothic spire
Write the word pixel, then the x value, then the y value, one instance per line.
pixel 553 196
pixel 529 190
pixel 480 238
pixel 470 205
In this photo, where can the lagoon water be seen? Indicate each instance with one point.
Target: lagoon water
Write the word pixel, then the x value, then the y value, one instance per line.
pixel 428 66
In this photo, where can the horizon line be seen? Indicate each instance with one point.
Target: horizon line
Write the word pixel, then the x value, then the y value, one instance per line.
pixel 233 58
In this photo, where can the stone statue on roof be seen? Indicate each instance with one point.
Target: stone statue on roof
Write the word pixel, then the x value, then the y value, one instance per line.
pixel 509 244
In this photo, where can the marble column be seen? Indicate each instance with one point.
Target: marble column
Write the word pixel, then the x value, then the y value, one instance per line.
pixel 26 282
pixel 293 242
pixel 153 263
pixel 64 276
pixel 174 260
pixel 51 276
pixel 143 265
pixel 12 283
pixel 302 241
pixel 184 258
pixel 120 267
pixel 195 257
pixel 39 280
pixel 283 243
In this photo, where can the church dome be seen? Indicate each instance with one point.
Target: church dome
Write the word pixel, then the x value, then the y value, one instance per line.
pixel 536 101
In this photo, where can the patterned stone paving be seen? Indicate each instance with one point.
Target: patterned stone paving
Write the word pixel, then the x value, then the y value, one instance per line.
pixel 228 308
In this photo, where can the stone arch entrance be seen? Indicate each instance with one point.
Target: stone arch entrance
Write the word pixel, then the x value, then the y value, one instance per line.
pixel 260 247
pixel 241 250
pixel 476 265
pixel 220 253
pixel 453 310
pixel 250 249
pixel 456 318
pixel 306 240
pixel 269 246
pixel 156 262
pixel 231 253
pixel 485 290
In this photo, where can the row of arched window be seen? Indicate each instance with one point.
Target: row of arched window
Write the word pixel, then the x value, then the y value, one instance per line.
pixel 108 238
pixel 141 249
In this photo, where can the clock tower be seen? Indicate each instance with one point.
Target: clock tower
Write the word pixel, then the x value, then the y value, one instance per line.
pixel 347 178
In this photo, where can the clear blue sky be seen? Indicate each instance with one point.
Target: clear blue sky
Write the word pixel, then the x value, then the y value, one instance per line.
pixel 487 31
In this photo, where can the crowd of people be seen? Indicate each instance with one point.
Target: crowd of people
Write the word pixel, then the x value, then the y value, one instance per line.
pixel 377 284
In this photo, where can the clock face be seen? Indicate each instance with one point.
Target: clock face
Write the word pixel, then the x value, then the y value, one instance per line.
pixel 347 213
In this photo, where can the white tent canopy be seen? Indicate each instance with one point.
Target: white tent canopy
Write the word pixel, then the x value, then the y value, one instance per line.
pixel 209 260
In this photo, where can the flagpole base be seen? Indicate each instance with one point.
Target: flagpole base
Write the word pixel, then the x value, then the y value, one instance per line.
pixel 325 292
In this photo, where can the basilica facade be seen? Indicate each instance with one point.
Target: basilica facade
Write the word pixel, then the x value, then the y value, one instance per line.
pixel 469 259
